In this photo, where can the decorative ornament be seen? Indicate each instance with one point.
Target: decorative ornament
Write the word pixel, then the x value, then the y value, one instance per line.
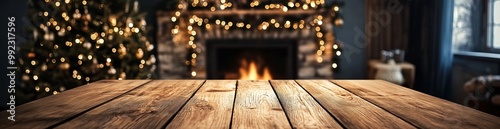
pixel 31 55
pixel 26 77
pixel 44 67
pixel 62 88
pixel 149 46
pixel 129 22
pixel 86 26
pixel 87 45
pixel 64 66
pixel 87 17
pixel 105 27
pixel 122 51
pixel 143 22
pixel 94 67
pixel 35 34
pixel 61 32
pixel 183 5
pixel 48 36
pixel 112 20
pixel 127 6
pixel 136 6
pixel 123 75
pixel 110 37
pixel 152 59
pixel 112 70
pixel 339 21
pixel 77 14
pixel 139 53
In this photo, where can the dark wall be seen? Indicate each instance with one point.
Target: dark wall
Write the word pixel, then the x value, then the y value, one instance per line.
pixel 9 8
pixel 353 66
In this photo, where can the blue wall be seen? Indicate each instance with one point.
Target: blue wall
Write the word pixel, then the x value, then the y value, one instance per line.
pixel 352 66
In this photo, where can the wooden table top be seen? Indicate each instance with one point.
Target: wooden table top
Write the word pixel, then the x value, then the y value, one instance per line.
pixel 245 104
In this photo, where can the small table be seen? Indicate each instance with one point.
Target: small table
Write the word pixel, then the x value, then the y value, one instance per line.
pixel 187 104
pixel 407 69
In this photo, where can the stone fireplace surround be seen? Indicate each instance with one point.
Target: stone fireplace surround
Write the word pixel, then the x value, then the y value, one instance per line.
pixel 172 51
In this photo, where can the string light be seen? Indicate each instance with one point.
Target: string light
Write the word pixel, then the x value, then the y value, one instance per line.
pixel 290 4
pixel 305 7
pixel 193 73
pixel 336 8
pixel 225 24
pixel 334 65
pixel 319 59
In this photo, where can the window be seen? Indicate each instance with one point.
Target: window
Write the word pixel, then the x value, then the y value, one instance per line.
pixel 476 26
pixel 462 25
pixel 494 25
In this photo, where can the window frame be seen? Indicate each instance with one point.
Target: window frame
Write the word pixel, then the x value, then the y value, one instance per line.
pixel 490 24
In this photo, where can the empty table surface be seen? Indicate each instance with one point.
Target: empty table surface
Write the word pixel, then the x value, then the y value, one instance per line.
pixel 245 104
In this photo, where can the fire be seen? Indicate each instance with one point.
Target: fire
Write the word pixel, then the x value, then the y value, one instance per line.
pixel 251 72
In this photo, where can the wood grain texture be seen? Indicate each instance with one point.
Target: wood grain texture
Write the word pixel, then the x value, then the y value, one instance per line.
pixel 150 106
pixel 351 110
pixel 422 110
pixel 257 107
pixel 302 110
pixel 210 107
pixel 53 109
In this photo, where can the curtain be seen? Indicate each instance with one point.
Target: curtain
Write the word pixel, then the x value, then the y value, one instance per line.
pixel 386 26
pixel 430 47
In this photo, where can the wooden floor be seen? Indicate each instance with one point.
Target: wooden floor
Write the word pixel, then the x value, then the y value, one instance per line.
pixel 245 104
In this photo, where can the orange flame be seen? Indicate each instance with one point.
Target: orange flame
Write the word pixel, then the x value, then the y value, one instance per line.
pixel 251 72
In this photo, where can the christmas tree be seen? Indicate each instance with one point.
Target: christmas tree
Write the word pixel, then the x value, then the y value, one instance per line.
pixel 75 42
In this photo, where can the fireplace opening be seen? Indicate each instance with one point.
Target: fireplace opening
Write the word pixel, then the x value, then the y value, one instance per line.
pixel 248 59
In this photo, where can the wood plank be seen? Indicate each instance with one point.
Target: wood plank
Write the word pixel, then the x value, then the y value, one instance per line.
pixel 422 110
pixel 150 106
pixel 210 107
pixel 302 110
pixel 257 107
pixel 351 110
pixel 53 109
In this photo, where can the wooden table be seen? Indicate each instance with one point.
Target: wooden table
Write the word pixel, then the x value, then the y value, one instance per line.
pixel 245 104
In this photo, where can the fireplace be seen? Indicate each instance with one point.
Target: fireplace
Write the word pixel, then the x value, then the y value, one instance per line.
pixel 245 58
pixel 221 53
